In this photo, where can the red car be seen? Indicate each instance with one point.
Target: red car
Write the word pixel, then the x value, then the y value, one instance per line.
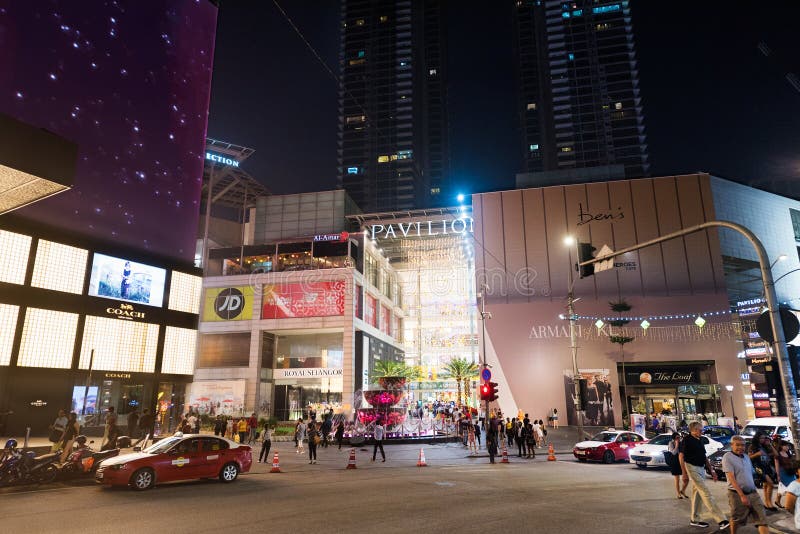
pixel 179 457
pixel 608 446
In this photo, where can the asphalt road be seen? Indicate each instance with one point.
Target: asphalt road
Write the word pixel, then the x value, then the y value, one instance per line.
pixel 454 493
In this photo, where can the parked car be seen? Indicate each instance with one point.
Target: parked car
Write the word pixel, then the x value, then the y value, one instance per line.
pixel 651 454
pixel 179 457
pixel 722 434
pixel 772 426
pixel 608 446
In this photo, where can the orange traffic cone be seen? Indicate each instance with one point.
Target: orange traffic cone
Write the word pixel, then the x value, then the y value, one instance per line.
pixel 421 462
pixel 351 464
pixel 276 465
pixel 505 456
pixel 551 455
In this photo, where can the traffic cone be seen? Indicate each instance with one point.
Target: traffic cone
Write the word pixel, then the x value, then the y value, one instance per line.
pixel 505 456
pixel 351 464
pixel 276 465
pixel 421 462
pixel 551 455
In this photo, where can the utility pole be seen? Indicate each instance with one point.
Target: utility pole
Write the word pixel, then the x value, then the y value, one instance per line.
pixel 779 340
pixel 573 341
pixel 484 316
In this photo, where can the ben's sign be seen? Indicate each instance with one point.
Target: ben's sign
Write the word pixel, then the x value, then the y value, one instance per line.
pixel 228 304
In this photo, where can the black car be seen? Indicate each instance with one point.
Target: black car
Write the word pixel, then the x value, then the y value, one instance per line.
pixel 716 463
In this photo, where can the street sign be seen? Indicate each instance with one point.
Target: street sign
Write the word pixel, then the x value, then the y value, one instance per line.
pixel 486 374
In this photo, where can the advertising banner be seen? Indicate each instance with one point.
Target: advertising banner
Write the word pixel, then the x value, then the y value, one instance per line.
pixel 228 304
pixel 653 376
pixel 599 401
pixel 370 310
pixel 313 299
pixel 121 279
pixel 214 397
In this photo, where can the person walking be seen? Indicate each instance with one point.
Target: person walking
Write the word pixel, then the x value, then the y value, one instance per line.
pixel 519 431
pixel 325 429
pixel 671 457
pixel 340 434
pixel 379 434
pixel 145 423
pixel 133 423
pixel 478 434
pixel 111 423
pixel 71 431
pixel 555 417
pixel 473 449
pixel 252 427
pixel 266 443
pixel 742 493
pixel 763 456
pixel 241 427
pixel 313 441
pixel 785 468
pixel 491 442
pixel 530 439
pixel 693 461
pixel 300 435
pixel 57 430
pixel 219 426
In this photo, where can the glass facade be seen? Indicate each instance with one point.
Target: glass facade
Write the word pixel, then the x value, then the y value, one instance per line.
pixel 59 267
pixel 119 345
pixel 179 350
pixel 184 292
pixel 14 260
pixel 8 325
pixel 48 338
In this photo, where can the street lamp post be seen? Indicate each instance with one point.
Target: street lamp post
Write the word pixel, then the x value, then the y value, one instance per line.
pixel 569 241
pixel 733 410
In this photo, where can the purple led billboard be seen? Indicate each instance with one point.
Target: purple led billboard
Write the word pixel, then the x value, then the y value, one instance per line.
pixel 129 82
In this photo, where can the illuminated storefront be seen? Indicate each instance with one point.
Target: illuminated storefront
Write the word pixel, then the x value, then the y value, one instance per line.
pixel 86 327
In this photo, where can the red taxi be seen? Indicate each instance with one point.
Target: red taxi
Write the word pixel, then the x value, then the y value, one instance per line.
pixel 178 457
pixel 608 446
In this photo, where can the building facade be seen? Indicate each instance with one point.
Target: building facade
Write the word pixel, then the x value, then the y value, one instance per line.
pixel 687 337
pixel 392 104
pixel 87 326
pixel 578 101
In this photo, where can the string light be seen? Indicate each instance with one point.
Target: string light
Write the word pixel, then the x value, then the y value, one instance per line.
pixel 667 317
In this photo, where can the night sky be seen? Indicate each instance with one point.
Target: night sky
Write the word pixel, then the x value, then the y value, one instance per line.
pixel 712 101
pixel 129 82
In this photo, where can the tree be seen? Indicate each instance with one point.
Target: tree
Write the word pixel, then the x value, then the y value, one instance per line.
pixel 462 371
pixel 619 308
pixel 392 369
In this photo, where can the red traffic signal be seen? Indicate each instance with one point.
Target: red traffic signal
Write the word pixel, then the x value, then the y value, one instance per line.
pixel 492 391
pixel 485 391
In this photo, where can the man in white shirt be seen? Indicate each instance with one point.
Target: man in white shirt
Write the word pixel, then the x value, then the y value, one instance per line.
pixel 380 432
pixel 742 492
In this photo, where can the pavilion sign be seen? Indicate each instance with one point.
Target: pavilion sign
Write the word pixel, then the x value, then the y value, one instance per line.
pixel 458 226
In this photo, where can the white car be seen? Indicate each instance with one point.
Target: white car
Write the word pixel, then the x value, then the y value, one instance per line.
pixel 651 454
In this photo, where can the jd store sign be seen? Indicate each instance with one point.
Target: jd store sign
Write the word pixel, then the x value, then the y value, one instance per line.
pixel 656 376
pixel 228 304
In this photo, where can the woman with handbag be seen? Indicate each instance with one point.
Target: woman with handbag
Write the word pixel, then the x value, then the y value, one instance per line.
pixel 313 441
pixel 763 455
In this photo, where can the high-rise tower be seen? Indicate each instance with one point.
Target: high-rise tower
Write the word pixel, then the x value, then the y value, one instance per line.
pixel 578 85
pixel 392 152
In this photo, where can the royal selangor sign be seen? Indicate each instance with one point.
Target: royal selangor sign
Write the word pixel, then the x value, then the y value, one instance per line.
pixel 459 226
pixel 310 372
pixel 655 376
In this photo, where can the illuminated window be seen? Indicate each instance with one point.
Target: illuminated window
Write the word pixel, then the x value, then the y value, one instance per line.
pixel 533 148
pixel 361 53
pixel 393 157
pixel 605 9
pixel 48 338
pixel 432 72
pixel 119 345
pixel 532 106
pixel 435 190
pixel 352 170
pixel 355 119
pixel 59 267
pixel 184 292
pixel 566 149
pixel 565 14
pixel 405 154
pixel 577 13
pixel 360 22
pixel 14 259
pixel 384 18
pixel 359 61
pixel 571 56
pixel 179 350
pixel 8 324
pixel 383 159
pixel 618 105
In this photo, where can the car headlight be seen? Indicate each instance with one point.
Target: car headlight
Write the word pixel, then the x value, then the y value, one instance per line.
pixel 118 467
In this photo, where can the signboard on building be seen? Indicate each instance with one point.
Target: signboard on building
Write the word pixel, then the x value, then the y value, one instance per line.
pixel 458 226
pixel 309 372
pixel 215 397
pixel 313 299
pixel 228 304
pixel 655 376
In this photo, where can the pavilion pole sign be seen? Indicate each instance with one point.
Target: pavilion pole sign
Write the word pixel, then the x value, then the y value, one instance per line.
pixel 216 158
pixel 458 226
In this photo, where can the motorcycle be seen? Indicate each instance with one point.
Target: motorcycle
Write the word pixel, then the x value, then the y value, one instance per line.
pixel 84 460
pixel 24 467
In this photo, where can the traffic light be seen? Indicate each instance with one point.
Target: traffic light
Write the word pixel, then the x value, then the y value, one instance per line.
pixel 485 391
pixel 585 253
pixel 492 391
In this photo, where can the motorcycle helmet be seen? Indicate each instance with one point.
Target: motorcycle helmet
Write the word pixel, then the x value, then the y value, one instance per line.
pixel 11 444
pixel 81 440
